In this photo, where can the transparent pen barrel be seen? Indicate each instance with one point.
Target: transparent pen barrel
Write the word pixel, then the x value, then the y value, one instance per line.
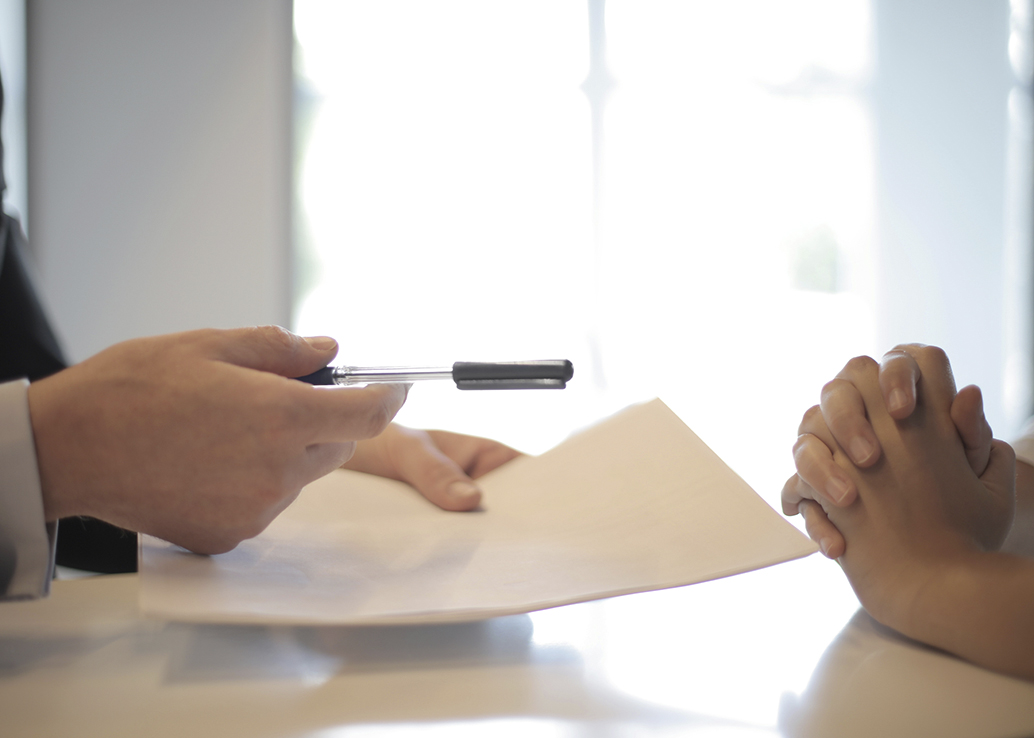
pixel 345 375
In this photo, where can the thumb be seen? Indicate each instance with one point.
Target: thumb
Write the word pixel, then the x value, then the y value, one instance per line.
pixel 437 477
pixel 1000 475
pixel 270 348
pixel 999 480
pixel 967 412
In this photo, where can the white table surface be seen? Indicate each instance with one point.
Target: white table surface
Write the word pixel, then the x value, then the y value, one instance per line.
pixel 783 651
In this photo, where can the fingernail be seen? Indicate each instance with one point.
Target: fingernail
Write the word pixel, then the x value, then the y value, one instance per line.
pixel 861 450
pixel 463 490
pixel 321 343
pixel 898 400
pixel 825 544
pixel 838 489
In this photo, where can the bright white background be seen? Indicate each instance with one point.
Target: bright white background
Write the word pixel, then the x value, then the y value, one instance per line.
pixel 445 190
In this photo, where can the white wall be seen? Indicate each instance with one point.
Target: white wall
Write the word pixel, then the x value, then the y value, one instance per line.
pixel 941 91
pixel 159 161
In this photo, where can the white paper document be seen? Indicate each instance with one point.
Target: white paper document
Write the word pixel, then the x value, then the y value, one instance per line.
pixel 635 503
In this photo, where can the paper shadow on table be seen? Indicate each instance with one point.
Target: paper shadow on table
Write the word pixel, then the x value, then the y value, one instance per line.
pixel 209 652
pixel 22 654
pixel 874 681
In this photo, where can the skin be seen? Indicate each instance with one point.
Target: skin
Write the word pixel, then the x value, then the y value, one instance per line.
pixel 1020 540
pixel 843 412
pixel 923 529
pixel 112 435
pixel 438 464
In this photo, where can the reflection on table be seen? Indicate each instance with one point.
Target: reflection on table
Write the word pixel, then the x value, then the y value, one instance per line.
pixel 783 651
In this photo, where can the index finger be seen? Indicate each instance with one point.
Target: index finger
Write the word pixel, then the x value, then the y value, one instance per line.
pixel 843 409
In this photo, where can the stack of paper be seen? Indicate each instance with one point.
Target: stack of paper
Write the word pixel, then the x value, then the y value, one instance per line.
pixel 635 503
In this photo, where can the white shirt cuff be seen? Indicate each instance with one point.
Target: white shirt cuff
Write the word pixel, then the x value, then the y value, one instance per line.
pixel 28 540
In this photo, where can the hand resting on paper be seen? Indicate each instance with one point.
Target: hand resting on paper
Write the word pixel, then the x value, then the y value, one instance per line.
pixel 438 464
pixel 843 412
pixel 921 535
pixel 198 438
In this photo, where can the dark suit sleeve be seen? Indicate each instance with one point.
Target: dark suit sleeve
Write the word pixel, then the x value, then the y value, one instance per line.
pixel 29 348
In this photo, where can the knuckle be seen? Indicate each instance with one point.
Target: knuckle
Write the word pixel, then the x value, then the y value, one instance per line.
pixel 933 354
pixel 264 495
pixel 206 335
pixel 1007 451
pixel 217 545
pixel 790 494
pixel 277 337
pixel 895 363
pixel 226 536
pixel 232 535
pixel 836 392
pixel 807 468
pixel 907 349
pixel 347 452
pixel 861 365
pixel 252 529
pixel 812 416
pixel 843 420
pixel 789 487
pixel 813 522
pixel 809 420
pixel 377 420
pixel 805 509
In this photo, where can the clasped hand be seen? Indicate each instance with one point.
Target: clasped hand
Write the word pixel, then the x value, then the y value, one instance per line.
pixel 896 469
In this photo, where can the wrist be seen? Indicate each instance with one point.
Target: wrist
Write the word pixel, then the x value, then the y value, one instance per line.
pixel 980 608
pixel 946 588
pixel 908 591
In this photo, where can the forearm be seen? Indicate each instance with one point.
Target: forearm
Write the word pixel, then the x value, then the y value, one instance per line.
pixel 1020 540
pixel 980 608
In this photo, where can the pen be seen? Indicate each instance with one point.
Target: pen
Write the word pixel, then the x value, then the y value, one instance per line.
pixel 468 375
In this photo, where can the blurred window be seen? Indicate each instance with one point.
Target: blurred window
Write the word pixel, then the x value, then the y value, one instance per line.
pixel 681 197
